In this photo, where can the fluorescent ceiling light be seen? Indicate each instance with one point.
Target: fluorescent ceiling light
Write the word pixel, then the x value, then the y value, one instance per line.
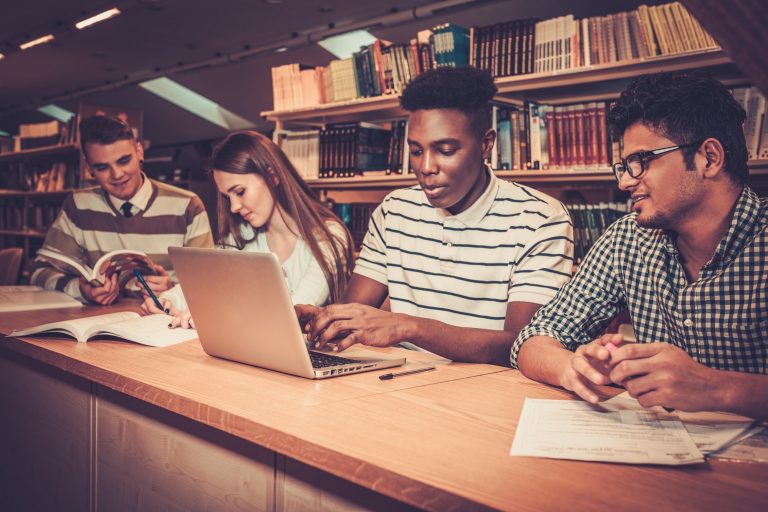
pixel 196 103
pixel 344 45
pixel 96 19
pixel 35 42
pixel 57 112
pixel 4 134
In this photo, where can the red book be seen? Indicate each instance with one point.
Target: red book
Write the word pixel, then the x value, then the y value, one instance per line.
pixel 560 129
pixel 602 138
pixel 581 131
pixel 553 148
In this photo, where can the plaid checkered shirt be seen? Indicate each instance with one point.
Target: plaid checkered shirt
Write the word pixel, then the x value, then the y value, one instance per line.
pixel 720 320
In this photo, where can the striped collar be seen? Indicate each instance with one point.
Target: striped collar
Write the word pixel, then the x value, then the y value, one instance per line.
pixel 478 210
pixel 140 199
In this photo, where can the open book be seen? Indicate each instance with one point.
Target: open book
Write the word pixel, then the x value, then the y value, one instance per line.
pixel 120 262
pixel 149 330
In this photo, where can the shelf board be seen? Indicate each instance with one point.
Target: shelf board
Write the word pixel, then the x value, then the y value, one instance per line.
pixel 383 107
pixel 552 176
pixel 29 193
pixel 406 180
pixel 48 152
pixel 27 233
pixel 615 71
pixel 388 106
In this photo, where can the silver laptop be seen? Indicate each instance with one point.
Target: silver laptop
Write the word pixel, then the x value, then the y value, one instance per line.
pixel 243 312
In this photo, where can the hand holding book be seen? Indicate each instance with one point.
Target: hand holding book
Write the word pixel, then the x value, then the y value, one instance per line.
pixel 118 263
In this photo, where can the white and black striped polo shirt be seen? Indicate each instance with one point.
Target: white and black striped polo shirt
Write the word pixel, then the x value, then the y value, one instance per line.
pixel 513 244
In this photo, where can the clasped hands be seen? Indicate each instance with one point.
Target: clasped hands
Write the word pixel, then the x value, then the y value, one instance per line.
pixel 653 373
pixel 347 324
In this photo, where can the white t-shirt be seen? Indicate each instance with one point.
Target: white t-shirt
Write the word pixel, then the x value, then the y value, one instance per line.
pixel 303 275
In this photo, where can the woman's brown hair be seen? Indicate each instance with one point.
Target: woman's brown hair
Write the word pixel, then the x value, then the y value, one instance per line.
pixel 249 152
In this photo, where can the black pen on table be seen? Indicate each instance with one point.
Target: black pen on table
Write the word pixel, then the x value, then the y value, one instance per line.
pixel 149 291
pixel 390 376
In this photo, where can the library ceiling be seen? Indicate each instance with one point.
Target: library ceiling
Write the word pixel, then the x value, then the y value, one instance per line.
pixel 223 50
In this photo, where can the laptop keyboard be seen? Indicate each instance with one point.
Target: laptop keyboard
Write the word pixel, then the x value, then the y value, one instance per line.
pixel 322 360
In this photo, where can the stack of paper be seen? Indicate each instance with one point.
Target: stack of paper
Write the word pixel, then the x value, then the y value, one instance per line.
pixel 564 429
pixel 621 430
pixel 26 298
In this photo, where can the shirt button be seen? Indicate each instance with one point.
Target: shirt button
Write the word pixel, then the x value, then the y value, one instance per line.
pixel 449 245
pixel 688 322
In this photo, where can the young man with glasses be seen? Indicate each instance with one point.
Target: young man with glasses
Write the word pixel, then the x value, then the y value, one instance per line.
pixel 690 264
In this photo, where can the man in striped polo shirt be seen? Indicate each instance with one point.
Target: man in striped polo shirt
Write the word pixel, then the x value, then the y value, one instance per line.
pixel 465 258
pixel 126 211
pixel 690 264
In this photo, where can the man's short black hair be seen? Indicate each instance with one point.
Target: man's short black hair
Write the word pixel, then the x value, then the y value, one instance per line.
pixel 101 129
pixel 687 109
pixel 466 89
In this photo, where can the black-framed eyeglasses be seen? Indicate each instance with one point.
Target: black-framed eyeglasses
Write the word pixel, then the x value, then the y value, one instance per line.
pixel 636 163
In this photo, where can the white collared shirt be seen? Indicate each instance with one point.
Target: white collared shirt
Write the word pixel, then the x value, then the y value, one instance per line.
pixel 139 200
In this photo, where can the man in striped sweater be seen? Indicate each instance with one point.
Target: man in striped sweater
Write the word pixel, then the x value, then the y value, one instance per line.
pixel 465 258
pixel 126 211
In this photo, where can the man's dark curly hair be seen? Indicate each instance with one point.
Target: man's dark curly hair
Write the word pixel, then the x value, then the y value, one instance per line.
pixel 466 89
pixel 687 109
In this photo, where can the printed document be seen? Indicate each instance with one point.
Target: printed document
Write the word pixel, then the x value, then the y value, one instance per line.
pixel 711 431
pixel 566 429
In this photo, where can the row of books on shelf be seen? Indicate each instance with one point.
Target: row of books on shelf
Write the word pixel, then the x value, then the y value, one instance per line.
pixel 565 43
pixel 537 136
pixel 42 178
pixel 530 136
pixel 39 135
pixel 510 48
pixel 590 221
pixel 378 68
pixel 16 216
pixel 347 149
pixel 356 217
pixel 755 125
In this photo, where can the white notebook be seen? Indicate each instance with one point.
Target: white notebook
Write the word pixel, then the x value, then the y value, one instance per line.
pixel 27 298
pixel 149 330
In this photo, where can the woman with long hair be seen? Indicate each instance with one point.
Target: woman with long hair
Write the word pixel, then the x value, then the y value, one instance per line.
pixel 264 205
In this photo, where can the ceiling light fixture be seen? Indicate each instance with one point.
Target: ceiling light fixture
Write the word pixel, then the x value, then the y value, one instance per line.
pixel 102 16
pixel 2 56
pixel 344 45
pixel 56 112
pixel 195 103
pixel 40 40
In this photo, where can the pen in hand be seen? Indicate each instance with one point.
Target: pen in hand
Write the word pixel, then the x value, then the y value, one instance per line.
pixel 150 292
pixel 390 376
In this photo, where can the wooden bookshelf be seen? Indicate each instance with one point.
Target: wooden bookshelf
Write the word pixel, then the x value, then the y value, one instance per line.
pixel 551 177
pixel 20 224
pixel 61 151
pixel 393 181
pixel 612 72
pixel 387 107
pixel 4 193
pixel 24 233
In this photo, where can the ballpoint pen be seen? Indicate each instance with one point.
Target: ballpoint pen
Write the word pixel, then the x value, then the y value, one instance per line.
pixel 149 291
pixel 390 376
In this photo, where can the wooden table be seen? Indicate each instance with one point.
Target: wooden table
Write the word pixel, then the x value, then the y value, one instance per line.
pixel 134 427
